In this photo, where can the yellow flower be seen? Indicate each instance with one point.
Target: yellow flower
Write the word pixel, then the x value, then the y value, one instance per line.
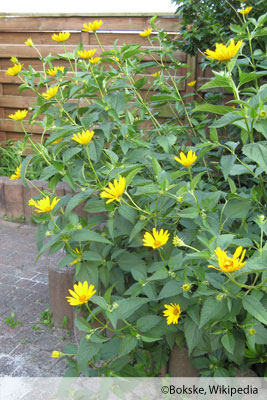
pixel 92 26
pixel 29 42
pixel 172 313
pixel 94 60
pixel 79 253
pixel 56 354
pixel 53 71
pixel 50 92
pixel 146 32
pixel 61 37
pixel 83 138
pixel 186 287
pixel 252 331
pixel 116 58
pixel 86 53
pixel 19 115
pixel 156 74
pixel 15 70
pixel 224 53
pixel 158 239
pixel 114 191
pixel 16 175
pixel 81 294
pixel 228 264
pixel 57 140
pixel 14 60
pixel 191 84
pixel 43 205
pixel 186 160
pixel 246 10
pixel 263 114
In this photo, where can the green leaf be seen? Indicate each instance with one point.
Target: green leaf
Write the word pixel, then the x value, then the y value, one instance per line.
pixel 192 334
pixel 195 180
pixel 228 342
pixel 227 119
pixel 136 229
pixel 86 235
pixel 171 288
pixel 166 142
pixel 213 108
pixel 82 324
pixel 237 208
pixel 213 135
pixel 127 307
pixel 156 166
pixel 77 199
pixel 147 322
pixel 68 154
pixel 100 301
pixel 227 163
pixel 129 177
pixel 190 212
pixel 86 352
pixel 128 213
pixel 219 81
pixel 210 308
pixel 245 77
pixel 91 256
pixel 127 345
pixel 255 308
pixel 257 152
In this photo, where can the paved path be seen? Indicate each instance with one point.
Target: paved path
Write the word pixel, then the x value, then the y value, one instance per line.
pixel 25 351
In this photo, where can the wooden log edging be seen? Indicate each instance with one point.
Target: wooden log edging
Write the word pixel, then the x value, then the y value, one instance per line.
pixel 14 198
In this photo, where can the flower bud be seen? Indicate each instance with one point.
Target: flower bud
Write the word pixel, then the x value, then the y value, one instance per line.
pixel 252 331
pixel 177 242
pixel 186 287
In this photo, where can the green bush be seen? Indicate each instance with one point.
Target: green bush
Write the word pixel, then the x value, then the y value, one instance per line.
pixel 196 181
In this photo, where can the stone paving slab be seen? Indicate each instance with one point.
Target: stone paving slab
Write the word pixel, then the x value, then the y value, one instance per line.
pixel 26 350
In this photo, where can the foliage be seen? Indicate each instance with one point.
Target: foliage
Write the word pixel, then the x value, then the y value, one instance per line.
pixel 205 22
pixel 212 197
pixel 9 160
pixel 12 322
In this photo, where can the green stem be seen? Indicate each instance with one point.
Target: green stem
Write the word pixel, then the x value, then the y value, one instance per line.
pixel 91 165
pixel 194 192
pixel 35 187
pixel 98 41
pixel 135 205
pixel 68 59
pixel 95 317
pixel 33 145
pixel 161 256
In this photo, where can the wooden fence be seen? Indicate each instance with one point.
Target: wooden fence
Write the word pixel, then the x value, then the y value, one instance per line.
pixel 15 29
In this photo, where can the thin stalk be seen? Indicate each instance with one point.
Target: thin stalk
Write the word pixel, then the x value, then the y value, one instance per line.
pixel 91 165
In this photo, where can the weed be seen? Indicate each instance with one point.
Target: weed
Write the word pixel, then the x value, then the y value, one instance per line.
pixel 46 318
pixel 11 320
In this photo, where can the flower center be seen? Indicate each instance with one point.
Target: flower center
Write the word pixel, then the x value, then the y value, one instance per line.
pixel 83 297
pixel 228 264
pixel 157 243
pixel 175 311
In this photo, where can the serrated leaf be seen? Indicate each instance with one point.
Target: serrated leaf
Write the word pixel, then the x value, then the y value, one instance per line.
pixel 255 308
pixel 228 342
pixel 127 345
pixel 210 308
pixel 215 109
pixel 192 334
pixel 147 322
pixel 86 235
